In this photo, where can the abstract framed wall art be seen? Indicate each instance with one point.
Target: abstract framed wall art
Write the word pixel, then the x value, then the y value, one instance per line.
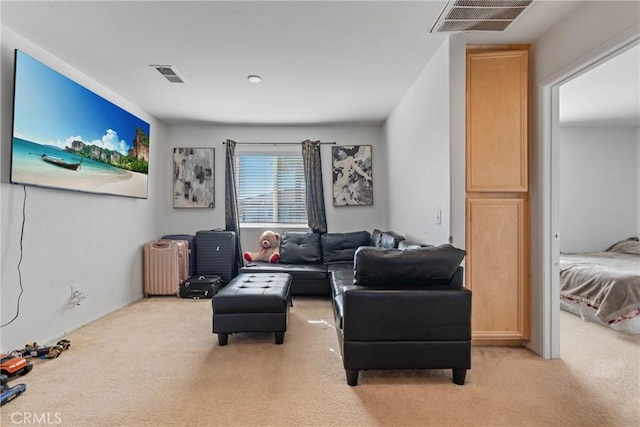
pixel 352 175
pixel 193 179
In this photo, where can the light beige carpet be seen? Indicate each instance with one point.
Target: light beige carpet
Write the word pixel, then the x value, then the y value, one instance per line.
pixel 156 363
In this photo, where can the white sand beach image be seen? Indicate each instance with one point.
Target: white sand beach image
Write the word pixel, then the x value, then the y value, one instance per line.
pixel 29 167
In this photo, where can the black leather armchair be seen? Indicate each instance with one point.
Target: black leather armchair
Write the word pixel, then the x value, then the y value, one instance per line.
pixel 403 309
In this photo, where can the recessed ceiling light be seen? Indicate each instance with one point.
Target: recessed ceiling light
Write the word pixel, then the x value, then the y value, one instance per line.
pixel 254 79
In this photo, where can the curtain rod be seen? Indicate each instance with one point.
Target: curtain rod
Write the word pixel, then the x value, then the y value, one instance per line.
pixel 277 143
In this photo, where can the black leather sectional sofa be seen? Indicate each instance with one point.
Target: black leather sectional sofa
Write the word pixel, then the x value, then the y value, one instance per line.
pixel 311 257
pixel 397 304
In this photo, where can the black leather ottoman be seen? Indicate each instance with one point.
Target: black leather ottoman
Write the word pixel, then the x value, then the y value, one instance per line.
pixel 253 303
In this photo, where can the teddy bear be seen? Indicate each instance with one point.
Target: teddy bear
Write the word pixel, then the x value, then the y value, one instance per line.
pixel 268 251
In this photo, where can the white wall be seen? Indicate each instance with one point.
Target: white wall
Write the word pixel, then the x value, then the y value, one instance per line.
pixel 598 187
pixel 418 137
pixel 638 179
pixel 339 219
pixel 589 29
pixel 92 242
pixel 457 126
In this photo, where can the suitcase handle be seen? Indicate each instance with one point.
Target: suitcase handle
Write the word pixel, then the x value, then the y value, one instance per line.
pixel 162 244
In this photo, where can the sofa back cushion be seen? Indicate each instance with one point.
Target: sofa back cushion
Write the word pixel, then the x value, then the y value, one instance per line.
pixel 422 267
pixel 299 247
pixel 389 239
pixel 338 247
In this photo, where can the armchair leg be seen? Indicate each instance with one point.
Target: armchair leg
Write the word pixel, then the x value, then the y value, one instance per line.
pixel 352 377
pixel 459 375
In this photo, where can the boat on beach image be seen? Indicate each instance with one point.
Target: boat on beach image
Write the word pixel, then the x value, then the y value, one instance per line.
pixel 59 162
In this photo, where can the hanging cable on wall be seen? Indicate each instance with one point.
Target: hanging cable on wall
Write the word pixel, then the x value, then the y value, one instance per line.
pixel 24 205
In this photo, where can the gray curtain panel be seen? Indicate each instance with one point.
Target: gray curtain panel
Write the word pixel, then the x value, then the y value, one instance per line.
pixel 231 216
pixel 315 193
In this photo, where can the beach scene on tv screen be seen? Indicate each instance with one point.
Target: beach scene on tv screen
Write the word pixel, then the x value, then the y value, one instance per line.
pixel 66 136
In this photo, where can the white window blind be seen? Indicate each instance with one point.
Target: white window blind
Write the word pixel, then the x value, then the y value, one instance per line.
pixel 271 188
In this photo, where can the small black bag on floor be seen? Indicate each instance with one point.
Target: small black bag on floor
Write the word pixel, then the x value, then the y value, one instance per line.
pixel 197 287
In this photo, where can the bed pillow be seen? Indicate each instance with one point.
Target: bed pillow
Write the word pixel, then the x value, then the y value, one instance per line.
pixel 629 246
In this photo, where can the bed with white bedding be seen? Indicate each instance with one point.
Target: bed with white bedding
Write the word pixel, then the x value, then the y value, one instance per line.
pixel 604 287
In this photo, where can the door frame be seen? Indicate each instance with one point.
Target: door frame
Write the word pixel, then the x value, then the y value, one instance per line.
pixel 549 167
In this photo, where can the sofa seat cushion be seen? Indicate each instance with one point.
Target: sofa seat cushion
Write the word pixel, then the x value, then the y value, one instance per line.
pixel 337 247
pixel 340 266
pixel 298 271
pixel 340 279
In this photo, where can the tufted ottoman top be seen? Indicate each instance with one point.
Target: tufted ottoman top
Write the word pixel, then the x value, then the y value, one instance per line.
pixel 254 293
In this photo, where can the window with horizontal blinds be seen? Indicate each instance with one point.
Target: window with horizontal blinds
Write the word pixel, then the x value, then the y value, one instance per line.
pixel 271 188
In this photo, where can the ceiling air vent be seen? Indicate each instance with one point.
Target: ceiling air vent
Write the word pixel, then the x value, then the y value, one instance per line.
pixel 478 15
pixel 169 73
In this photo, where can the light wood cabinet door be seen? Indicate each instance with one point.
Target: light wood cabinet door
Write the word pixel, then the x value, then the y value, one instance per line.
pixel 497 121
pixel 496 268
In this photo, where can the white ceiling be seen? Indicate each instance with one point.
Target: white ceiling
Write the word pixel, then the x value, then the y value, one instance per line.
pixel 607 95
pixel 322 61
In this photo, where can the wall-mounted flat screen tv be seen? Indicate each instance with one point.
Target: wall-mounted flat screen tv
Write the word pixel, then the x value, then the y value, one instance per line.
pixel 68 137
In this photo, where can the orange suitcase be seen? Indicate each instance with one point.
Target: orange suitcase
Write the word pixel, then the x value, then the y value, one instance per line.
pixel 161 267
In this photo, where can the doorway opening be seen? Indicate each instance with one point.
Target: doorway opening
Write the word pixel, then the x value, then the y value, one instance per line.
pixel 550 109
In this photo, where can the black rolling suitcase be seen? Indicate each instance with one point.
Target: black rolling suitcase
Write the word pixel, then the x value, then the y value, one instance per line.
pixel 216 254
pixel 197 287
